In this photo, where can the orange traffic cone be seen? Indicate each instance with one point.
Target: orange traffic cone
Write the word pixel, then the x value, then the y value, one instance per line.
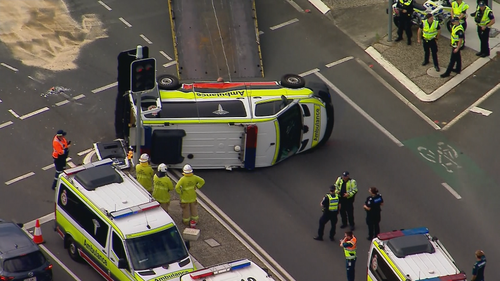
pixel 37 237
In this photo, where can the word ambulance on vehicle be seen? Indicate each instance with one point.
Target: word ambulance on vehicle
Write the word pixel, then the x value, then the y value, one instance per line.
pixel 217 125
pixel 109 220
pixel 411 255
pixel 241 270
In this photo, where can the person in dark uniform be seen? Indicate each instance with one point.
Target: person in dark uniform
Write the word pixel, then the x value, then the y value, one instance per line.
pixel 429 31
pixel 484 19
pixel 347 189
pixel 372 207
pixel 405 8
pixel 457 44
pixel 478 269
pixel 330 207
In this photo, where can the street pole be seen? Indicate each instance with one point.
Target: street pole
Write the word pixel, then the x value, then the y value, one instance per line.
pixel 389 13
pixel 138 128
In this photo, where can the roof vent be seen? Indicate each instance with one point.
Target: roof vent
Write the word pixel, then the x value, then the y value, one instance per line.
pixel 410 245
pixel 98 176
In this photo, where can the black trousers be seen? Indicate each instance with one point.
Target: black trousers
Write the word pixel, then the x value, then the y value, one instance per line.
pixel 455 59
pixel 59 163
pixel 404 25
pixel 373 222
pixel 325 218
pixel 347 211
pixel 433 47
pixel 484 37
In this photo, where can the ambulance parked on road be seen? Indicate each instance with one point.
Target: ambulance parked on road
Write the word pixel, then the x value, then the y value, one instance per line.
pixel 109 220
pixel 242 270
pixel 411 255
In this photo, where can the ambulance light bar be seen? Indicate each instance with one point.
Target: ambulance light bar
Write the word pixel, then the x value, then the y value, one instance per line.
pixel 77 169
pixel 454 277
pixel 220 269
pixel 134 210
pixel 403 232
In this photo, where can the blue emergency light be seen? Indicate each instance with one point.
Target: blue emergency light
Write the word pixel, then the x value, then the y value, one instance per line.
pixel 80 168
pixel 403 232
pixel 220 269
pixel 134 210
pixel 454 277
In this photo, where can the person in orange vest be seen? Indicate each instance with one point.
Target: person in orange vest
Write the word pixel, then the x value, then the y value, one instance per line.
pixel 349 245
pixel 60 153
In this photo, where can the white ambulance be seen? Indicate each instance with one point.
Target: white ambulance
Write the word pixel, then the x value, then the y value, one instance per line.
pixel 242 270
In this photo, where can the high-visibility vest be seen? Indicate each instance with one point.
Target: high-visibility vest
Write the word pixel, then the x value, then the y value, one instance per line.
pixel 485 19
pixel 454 36
pixel 350 252
pixel 333 204
pixel 459 9
pixel 430 31
pixel 405 2
pixel 58 146
pixel 351 187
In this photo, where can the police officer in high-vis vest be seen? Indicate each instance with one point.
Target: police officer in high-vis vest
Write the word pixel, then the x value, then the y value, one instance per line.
pixel 330 207
pixel 459 9
pixel 457 44
pixel 346 189
pixel 349 245
pixel 405 10
pixel 429 31
pixel 484 19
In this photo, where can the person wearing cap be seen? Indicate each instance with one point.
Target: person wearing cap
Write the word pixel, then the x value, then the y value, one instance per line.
pixel 459 9
pixel 162 185
pixel 144 173
pixel 330 207
pixel 349 243
pixel 186 188
pixel 429 30
pixel 60 151
pixel 478 269
pixel 373 209
pixel 457 44
pixel 405 8
pixel 485 20
pixel 346 189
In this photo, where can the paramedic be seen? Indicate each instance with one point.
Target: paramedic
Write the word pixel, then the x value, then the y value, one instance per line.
pixel 349 245
pixel 59 153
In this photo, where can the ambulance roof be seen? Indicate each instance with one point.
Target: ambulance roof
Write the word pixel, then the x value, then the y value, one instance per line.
pixel 235 270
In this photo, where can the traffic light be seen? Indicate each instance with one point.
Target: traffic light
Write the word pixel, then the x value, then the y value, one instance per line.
pixel 143 76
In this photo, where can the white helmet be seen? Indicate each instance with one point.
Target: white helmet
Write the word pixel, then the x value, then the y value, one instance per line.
pixel 187 169
pixel 144 158
pixel 162 168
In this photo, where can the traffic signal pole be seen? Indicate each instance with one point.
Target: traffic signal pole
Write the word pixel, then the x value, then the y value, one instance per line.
pixel 138 119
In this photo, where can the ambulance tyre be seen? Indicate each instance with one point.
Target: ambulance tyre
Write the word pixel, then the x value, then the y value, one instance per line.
pixel 73 249
pixel 168 82
pixel 292 81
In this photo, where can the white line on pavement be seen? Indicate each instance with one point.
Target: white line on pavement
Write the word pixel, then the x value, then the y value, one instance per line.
pixel 14 113
pixel 44 219
pixel 34 113
pixel 125 22
pixel 35 79
pixel 104 5
pixel 165 55
pixel 284 24
pixel 146 39
pixel 339 62
pixel 304 74
pixel 48 167
pixel 19 178
pixel 84 152
pixel 295 5
pixel 71 164
pixel 80 96
pixel 261 32
pixel 452 191
pixel 8 123
pixel 104 88
pixel 359 109
pixel 322 7
pixel 481 111
pixel 170 64
pixel 479 101
pixel 9 67
pixel 62 102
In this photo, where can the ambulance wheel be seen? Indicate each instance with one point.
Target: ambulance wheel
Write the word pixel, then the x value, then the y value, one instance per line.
pixel 73 249
pixel 168 82
pixel 292 81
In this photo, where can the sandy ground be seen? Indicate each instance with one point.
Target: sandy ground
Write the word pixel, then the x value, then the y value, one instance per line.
pixel 43 34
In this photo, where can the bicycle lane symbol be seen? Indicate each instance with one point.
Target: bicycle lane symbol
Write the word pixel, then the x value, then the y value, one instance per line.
pixel 444 155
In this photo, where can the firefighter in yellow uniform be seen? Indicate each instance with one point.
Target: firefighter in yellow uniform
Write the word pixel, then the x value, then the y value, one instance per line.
pixel 144 173
pixel 186 187
pixel 162 185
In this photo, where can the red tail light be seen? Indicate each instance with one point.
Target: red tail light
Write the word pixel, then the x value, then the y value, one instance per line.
pixel 48 267
pixel 251 146
pixel 5 278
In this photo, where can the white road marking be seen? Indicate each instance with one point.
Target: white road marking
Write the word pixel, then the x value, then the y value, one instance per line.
pixel 451 190
pixel 34 113
pixel 170 64
pixel 481 111
pixel 13 113
pixel 479 101
pixel 339 62
pixel 261 32
pixel 320 6
pixel 19 178
pixel 304 74
pixel 44 219
pixel 165 55
pixel 8 123
pixel 48 167
pixel 35 79
pixel 284 24
pixel 80 96
pixel 359 109
pixel 125 22
pixel 104 88
pixel 84 152
pixel 295 5
pixel 62 102
pixel 399 95
pixel 104 5
pixel 146 39
pixel 9 67
pixel 71 164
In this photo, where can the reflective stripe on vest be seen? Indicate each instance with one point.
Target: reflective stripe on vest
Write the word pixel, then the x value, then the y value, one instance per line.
pixel 350 252
pixel 457 10
pixel 485 19
pixel 430 31
pixel 333 204
pixel 454 36
pixel 406 3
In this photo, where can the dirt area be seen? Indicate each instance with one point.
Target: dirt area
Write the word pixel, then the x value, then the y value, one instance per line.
pixel 43 34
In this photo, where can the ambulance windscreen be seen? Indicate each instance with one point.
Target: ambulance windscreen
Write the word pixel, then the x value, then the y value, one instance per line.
pixel 98 176
pixel 410 245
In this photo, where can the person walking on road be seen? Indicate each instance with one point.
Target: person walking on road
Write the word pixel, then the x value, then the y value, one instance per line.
pixel 457 44
pixel 372 207
pixel 429 30
pixel 60 151
pixel 162 185
pixel 459 9
pixel 485 20
pixel 478 269
pixel 349 245
pixel 144 173
pixel 405 8
pixel 346 189
pixel 330 207
pixel 186 188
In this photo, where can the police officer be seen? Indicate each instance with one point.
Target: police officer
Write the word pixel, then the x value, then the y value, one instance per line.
pixel 60 151
pixel 162 185
pixel 459 9
pixel 144 173
pixel 347 189
pixel 349 245
pixel 484 19
pixel 330 206
pixel 478 269
pixel 186 188
pixel 457 44
pixel 429 30
pixel 405 8
pixel 372 207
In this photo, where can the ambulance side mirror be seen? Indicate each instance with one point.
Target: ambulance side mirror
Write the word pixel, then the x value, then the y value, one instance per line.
pixel 122 264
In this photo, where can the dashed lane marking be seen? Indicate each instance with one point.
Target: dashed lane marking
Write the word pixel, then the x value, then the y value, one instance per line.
pixel 104 5
pixel 125 22
pixel 284 24
pixel 295 5
pixel 71 164
pixel 451 190
pixel 31 114
pixel 339 62
pixel 19 178
pixel 80 96
pixel 482 111
pixel 14 113
pixel 170 64
pixel 304 74
pixel 9 67
pixel 44 219
pixel 104 88
pixel 48 167
pixel 146 39
pixel 84 152
pixel 62 102
pixel 8 123
pixel 261 32
pixel 34 79
pixel 165 55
